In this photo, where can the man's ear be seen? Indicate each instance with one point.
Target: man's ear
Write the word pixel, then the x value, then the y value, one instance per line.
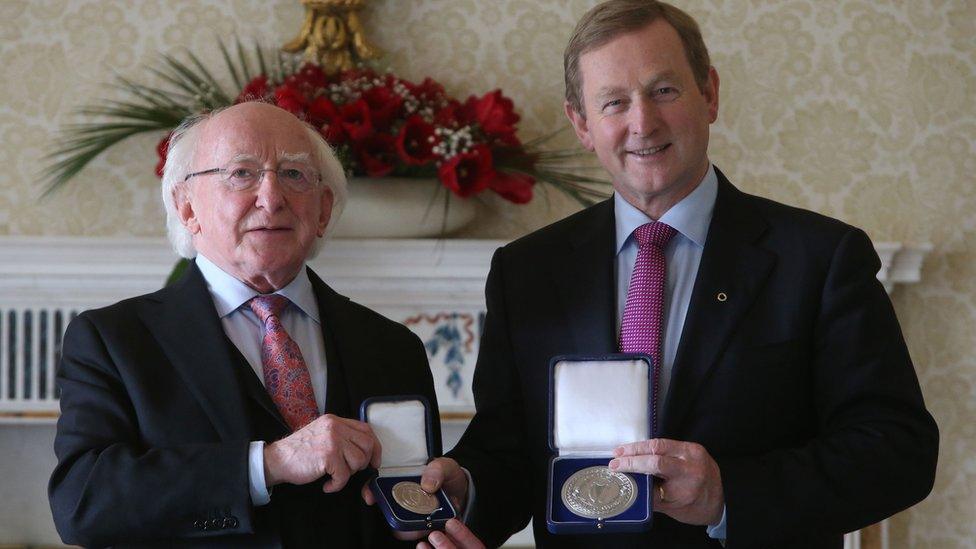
pixel 184 208
pixel 579 126
pixel 711 94
pixel 328 201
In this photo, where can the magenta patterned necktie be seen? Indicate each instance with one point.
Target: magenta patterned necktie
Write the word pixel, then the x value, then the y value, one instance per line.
pixel 640 329
pixel 286 376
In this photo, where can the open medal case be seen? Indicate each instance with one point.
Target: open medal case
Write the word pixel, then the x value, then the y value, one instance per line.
pixel 403 426
pixel 597 403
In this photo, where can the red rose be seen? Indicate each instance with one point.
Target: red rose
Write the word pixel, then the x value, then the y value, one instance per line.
pixel 377 154
pixel 290 99
pixel 496 115
pixel 356 120
pixel 308 79
pixel 447 117
pixel 324 115
pixel 467 113
pixel 469 173
pixel 383 105
pixel 415 141
pixel 322 110
pixel 514 187
pixel 161 149
pixel 255 90
pixel 428 91
pixel 390 80
pixel 357 73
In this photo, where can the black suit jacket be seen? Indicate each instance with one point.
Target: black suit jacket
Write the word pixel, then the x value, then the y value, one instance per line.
pixel 799 384
pixel 158 408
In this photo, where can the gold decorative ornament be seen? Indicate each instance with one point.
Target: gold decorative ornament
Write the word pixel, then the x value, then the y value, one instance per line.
pixel 332 35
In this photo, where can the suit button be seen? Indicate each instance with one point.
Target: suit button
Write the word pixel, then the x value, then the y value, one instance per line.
pixel 230 522
pixel 199 524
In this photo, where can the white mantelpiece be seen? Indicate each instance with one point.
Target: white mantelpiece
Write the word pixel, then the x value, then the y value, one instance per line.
pixel 66 270
pixel 426 284
pixel 95 271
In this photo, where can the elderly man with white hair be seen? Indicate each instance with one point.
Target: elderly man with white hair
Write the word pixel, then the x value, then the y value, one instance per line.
pixel 216 412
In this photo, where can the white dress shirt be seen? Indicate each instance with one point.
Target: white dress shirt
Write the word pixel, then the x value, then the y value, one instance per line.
pixel 690 218
pixel 300 319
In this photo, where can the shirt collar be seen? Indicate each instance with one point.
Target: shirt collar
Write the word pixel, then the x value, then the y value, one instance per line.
pixel 230 293
pixel 690 217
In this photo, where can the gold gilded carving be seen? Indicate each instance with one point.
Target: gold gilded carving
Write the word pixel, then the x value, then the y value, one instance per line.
pixel 332 35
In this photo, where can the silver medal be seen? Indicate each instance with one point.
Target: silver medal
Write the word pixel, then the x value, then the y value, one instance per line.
pixel 597 492
pixel 413 498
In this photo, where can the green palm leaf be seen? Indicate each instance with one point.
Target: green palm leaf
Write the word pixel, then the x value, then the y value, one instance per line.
pixel 188 87
pixel 549 166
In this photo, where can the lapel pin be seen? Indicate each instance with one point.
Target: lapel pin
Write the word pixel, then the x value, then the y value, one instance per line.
pixel 722 297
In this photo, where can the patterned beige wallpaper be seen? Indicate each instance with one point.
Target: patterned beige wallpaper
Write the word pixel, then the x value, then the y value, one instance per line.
pixel 864 110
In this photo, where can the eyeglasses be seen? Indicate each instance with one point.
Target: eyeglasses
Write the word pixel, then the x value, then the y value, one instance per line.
pixel 243 176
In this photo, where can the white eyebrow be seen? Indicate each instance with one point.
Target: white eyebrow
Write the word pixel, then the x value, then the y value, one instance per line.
pixel 282 157
pixel 244 157
pixel 294 157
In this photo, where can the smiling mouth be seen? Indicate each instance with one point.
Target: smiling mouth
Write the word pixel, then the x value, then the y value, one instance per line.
pixel 649 151
pixel 270 229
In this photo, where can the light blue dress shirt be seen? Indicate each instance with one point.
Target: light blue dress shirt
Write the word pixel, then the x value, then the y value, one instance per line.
pixel 300 319
pixel 690 218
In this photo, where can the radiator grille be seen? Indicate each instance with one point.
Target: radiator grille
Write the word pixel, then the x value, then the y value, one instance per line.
pixel 30 348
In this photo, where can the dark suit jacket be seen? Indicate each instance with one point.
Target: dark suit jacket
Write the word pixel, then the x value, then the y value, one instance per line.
pixel 799 385
pixel 158 408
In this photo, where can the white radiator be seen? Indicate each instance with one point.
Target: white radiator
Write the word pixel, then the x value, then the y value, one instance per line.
pixel 30 345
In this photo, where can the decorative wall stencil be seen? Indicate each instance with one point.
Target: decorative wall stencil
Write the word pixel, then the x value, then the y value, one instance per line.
pixel 451 343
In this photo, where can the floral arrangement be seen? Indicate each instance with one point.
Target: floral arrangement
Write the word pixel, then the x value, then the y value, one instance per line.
pixel 384 125
pixel 381 125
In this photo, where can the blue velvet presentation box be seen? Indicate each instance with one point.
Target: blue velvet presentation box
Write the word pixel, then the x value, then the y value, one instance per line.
pixel 597 403
pixel 403 426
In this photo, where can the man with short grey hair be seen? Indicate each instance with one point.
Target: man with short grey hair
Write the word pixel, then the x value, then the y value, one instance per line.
pixel 217 411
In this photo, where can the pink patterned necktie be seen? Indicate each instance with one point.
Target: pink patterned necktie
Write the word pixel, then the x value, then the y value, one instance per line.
pixel 285 373
pixel 640 329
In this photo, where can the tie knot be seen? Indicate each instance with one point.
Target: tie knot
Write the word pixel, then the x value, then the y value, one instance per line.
pixel 655 234
pixel 268 305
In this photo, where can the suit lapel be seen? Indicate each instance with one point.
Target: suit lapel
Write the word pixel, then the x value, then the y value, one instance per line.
pixel 255 389
pixel 584 277
pixel 188 329
pixel 345 370
pixel 732 264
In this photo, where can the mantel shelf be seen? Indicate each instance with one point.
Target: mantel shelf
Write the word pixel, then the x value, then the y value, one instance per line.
pixel 424 284
pixel 72 270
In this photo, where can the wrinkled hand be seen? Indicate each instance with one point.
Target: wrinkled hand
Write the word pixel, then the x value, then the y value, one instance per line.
pixel 330 445
pixel 440 473
pixel 445 473
pixel 690 478
pixel 455 536
pixel 370 499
